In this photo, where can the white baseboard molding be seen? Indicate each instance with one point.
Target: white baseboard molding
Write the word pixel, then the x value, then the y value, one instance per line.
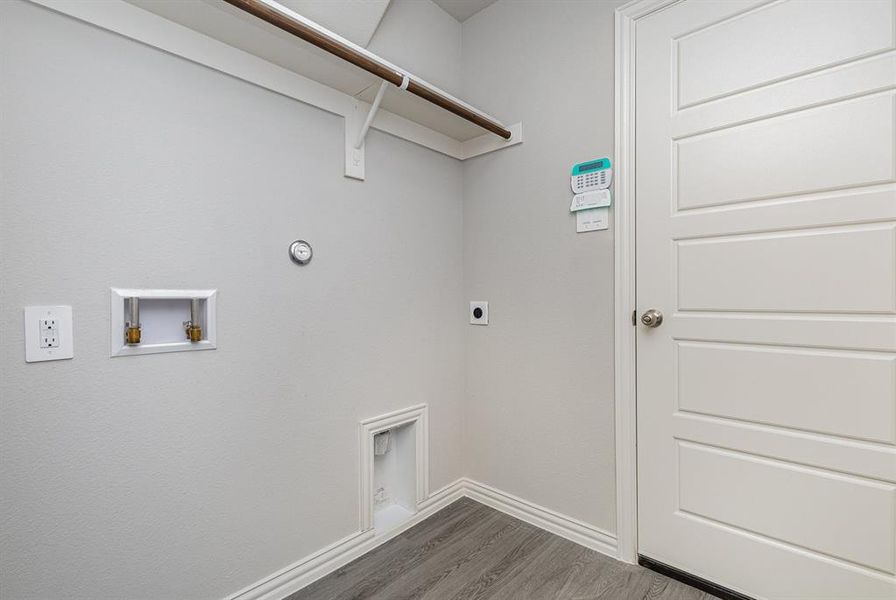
pixel 323 562
pixel 544 518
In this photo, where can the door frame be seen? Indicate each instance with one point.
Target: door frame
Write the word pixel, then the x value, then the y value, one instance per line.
pixel 625 333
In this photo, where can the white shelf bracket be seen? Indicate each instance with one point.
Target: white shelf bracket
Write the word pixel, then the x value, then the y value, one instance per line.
pixel 354 157
pixel 354 151
pixel 371 114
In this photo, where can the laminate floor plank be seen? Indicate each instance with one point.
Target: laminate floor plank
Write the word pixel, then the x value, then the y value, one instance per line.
pixel 468 551
pixel 363 577
pixel 552 574
pixel 452 567
pixel 664 588
pixel 493 565
pixel 454 561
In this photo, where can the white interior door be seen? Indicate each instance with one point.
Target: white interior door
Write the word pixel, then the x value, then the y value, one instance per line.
pixel 766 234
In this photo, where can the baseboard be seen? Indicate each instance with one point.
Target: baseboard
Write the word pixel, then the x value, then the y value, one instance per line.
pixel 323 562
pixel 315 566
pixel 566 527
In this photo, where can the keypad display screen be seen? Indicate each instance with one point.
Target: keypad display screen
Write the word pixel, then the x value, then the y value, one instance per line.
pixel 591 166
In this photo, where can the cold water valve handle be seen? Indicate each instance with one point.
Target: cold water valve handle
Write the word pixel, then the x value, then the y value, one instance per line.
pixel 192 327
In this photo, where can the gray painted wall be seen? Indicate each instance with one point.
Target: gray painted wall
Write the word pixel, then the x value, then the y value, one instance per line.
pixel 539 378
pixel 422 38
pixel 204 472
pixel 192 475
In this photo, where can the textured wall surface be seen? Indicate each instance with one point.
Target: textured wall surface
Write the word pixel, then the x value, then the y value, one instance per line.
pixel 192 475
pixel 419 36
pixel 539 412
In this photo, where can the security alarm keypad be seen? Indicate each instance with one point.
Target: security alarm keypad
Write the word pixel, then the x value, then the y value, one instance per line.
pixel 592 175
pixel 589 182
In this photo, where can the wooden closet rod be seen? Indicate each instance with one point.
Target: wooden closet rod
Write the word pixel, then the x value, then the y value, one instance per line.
pixel 334 46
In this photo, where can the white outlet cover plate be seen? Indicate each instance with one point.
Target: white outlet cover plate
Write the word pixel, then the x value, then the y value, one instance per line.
pixel 592 219
pixel 34 315
pixel 483 320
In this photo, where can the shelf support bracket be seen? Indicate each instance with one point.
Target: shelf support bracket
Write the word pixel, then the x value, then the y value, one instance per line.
pixel 354 149
pixel 371 114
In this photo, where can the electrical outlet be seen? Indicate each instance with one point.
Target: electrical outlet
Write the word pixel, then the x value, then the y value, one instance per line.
pixel 479 313
pixel 48 333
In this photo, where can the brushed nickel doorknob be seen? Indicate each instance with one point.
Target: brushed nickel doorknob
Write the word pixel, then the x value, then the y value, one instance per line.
pixel 652 318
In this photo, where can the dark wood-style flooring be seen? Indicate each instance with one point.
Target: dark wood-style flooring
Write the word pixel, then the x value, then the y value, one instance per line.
pixel 469 551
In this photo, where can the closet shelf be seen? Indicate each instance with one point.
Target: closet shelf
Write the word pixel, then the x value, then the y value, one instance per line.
pixel 279 16
pixel 319 78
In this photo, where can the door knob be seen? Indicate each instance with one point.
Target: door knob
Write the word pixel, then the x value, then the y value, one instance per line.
pixel 652 318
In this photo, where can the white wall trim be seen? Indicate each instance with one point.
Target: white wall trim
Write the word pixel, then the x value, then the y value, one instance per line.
pixel 153 30
pixel 323 562
pixel 368 428
pixel 307 570
pixel 625 355
pixel 544 518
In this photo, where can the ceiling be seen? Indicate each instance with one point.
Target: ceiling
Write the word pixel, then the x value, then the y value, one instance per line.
pixel 463 9
pixel 355 20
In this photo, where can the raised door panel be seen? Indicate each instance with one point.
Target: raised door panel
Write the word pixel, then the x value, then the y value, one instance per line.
pixel 801 506
pixel 757 47
pixel 815 270
pixel 842 145
pixel 836 392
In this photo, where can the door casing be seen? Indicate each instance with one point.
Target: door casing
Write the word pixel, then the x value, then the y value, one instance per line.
pixel 625 353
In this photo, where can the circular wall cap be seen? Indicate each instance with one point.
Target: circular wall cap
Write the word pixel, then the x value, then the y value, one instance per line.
pixel 300 252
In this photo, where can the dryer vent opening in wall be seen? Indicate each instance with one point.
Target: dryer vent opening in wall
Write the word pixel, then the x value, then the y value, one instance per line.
pixel 394 467
pixel 394 476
